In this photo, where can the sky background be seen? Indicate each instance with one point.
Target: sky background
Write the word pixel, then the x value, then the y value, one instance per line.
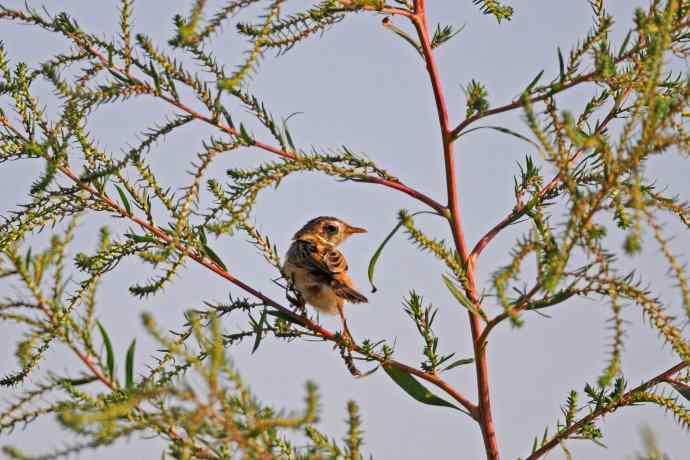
pixel 361 86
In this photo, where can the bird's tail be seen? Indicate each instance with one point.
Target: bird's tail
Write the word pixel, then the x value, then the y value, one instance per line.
pixel 349 294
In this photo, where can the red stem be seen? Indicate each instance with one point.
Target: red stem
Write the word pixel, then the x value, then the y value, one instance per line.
pixel 454 217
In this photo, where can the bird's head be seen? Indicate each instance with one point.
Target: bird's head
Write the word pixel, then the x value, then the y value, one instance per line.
pixel 328 229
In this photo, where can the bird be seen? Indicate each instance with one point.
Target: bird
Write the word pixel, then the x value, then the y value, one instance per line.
pixel 317 270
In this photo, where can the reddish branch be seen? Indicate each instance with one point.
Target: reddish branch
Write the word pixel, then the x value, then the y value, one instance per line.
pixel 84 357
pixel 517 104
pixel 555 90
pixel 393 184
pixel 485 418
pixel 520 210
pixel 577 426
pixel 299 319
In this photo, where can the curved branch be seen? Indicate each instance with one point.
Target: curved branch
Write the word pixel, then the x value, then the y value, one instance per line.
pixel 302 320
pixel 393 184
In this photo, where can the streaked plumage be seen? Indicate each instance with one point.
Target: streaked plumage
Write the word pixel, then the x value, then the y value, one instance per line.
pixel 318 270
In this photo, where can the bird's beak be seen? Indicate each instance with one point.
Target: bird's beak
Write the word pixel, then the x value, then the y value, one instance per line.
pixel 353 230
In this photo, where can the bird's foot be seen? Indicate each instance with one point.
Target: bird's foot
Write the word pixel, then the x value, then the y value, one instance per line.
pixel 344 341
pixel 346 354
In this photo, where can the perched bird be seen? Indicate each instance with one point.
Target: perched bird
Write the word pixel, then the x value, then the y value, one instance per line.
pixel 318 271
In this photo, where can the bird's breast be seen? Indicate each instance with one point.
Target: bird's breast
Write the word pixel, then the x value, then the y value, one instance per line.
pixel 315 292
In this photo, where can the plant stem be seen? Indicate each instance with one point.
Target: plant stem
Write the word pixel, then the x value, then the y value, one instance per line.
pixel 454 217
pixel 393 184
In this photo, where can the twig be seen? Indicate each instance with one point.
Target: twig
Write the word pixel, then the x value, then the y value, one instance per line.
pixel 520 210
pixel 393 184
pixel 565 433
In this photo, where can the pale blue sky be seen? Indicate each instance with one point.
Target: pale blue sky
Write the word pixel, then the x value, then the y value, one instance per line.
pixel 363 87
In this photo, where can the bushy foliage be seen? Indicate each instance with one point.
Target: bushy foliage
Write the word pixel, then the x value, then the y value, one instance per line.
pixel 599 155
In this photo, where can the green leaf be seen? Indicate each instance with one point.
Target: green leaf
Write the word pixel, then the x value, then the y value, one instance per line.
pixel 283 316
pixel 461 298
pixel 78 382
pixel 245 137
pixel 110 356
pixel 684 390
pixel 202 235
pixel 156 77
pixel 503 130
pixel 124 199
pixel 415 389
pixel 142 238
pixel 214 257
pixel 459 362
pixel 27 259
pixel 377 254
pixel 534 81
pixel 129 364
pixel 388 24
pixel 259 331
pixel 624 45
pixel 379 250
pixel 561 65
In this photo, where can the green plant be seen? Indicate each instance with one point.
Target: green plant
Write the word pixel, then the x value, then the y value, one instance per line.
pixel 601 185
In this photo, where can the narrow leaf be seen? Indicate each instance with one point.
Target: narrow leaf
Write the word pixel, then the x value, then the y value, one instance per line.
pixel 561 65
pixel 379 250
pixel 624 45
pixel 415 389
pixel 259 331
pixel 388 24
pixel 110 356
pixel 129 364
pixel 459 362
pixel 78 382
pixel 377 254
pixel 461 298
pixel 142 238
pixel 214 257
pixel 245 137
pixel 124 199
pixel 503 130
pixel 684 390
pixel 534 81
pixel 283 316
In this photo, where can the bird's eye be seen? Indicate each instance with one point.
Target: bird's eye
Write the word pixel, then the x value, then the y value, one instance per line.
pixel 330 228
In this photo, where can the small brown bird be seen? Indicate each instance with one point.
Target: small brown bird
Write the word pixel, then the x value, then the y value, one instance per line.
pixel 318 271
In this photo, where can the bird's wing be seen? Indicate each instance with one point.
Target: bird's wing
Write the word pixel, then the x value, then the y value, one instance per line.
pixel 328 262
pixel 325 260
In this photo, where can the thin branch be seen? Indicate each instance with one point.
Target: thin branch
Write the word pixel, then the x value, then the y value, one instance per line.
pixel 588 77
pixel 575 427
pixel 517 104
pixel 393 184
pixel 521 304
pixel 299 319
pixel 520 210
